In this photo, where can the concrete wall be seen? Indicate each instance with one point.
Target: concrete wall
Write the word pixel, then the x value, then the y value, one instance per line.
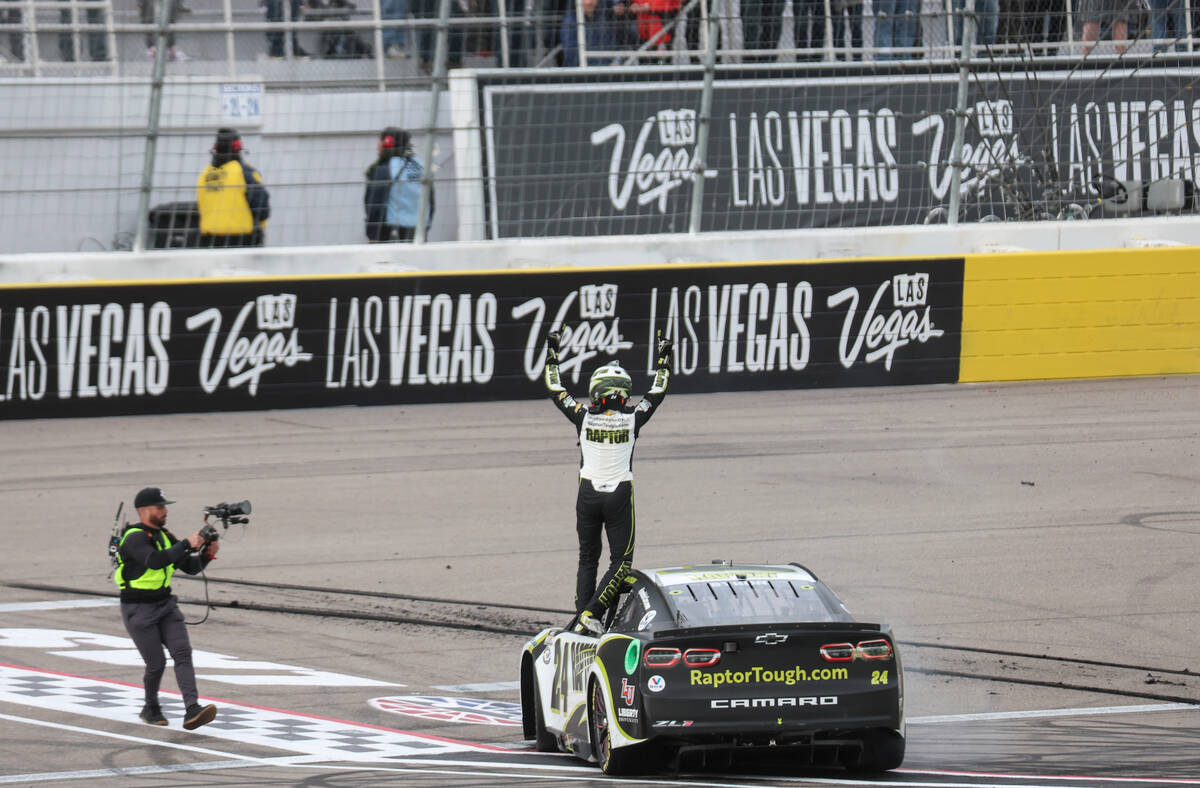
pixel 714 247
pixel 72 159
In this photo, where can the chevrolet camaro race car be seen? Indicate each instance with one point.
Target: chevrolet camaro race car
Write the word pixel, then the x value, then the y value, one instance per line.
pixel 708 662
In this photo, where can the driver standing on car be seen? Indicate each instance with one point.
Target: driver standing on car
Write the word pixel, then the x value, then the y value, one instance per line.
pixel 607 430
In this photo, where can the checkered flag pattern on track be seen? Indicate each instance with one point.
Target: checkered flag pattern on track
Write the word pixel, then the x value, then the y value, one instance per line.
pixel 329 739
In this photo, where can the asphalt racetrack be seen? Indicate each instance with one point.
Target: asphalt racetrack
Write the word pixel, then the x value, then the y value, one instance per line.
pixel 1033 545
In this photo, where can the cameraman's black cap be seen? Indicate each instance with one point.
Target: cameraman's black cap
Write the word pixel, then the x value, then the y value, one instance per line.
pixel 150 496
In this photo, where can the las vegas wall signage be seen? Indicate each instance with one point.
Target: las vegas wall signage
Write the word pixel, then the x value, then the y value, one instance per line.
pixel 260 344
pixel 792 152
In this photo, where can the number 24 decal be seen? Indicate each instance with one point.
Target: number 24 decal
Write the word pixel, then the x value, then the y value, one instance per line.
pixel 879 677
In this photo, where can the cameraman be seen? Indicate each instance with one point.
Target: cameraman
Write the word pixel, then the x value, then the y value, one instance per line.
pixel 147 557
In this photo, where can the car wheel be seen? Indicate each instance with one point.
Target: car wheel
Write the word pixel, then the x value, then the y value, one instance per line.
pixel 546 741
pixel 612 760
pixel 882 750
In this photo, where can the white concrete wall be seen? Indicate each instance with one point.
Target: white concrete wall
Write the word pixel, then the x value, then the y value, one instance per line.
pixel 716 247
pixel 71 158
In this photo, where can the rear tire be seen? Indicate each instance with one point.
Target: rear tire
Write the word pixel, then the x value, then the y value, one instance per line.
pixel 882 750
pixel 614 761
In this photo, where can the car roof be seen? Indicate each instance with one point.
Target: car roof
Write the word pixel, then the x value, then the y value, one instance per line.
pixel 705 573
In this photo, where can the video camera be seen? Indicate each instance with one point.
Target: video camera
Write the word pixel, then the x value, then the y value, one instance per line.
pixel 235 513
pixel 229 514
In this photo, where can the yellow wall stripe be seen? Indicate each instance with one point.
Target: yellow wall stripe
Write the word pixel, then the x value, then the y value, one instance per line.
pixel 1040 315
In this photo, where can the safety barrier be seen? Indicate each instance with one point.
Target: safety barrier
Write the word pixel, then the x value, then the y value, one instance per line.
pixel 181 345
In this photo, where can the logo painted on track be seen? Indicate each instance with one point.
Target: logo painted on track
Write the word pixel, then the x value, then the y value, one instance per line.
pixel 439 707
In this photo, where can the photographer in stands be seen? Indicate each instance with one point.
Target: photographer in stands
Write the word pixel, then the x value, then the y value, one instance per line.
pixel 234 205
pixel 147 555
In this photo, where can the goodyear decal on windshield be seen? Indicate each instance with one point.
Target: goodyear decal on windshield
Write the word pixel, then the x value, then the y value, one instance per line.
pixel 759 675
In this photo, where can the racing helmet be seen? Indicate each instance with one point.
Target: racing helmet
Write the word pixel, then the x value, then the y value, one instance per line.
pixel 609 382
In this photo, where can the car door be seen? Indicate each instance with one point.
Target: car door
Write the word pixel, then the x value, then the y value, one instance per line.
pixel 571 657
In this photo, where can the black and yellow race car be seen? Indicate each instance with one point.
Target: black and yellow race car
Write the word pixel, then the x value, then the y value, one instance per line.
pixel 701 664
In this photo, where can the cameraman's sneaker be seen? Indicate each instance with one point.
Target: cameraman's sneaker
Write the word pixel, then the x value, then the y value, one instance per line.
pixel 151 714
pixel 198 715
pixel 589 625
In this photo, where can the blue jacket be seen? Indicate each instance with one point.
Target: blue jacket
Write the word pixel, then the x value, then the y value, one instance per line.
pixel 393 195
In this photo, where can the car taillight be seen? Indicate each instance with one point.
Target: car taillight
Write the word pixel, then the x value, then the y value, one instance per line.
pixel 866 649
pixel 661 657
pixel 874 649
pixel 701 657
pixel 837 652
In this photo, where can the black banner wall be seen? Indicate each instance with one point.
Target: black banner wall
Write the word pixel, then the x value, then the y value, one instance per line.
pixel 616 157
pixel 259 344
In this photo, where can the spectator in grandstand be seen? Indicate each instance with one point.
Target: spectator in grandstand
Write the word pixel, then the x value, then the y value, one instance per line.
pixel 728 14
pixel 848 13
pixel 1166 24
pixel 1112 14
pixel 809 26
pixel 332 43
pixel 599 31
pixel 427 35
pixel 233 203
pixel 394 37
pixel 652 34
pixel 762 23
pixel 481 39
pixel 148 13
pixel 97 46
pixel 392 198
pixel 935 33
pixel 895 27
pixel 1041 20
pixel 275 41
pixel 987 16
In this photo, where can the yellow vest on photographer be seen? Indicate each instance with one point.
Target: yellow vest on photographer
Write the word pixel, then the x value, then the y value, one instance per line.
pixel 221 197
pixel 151 579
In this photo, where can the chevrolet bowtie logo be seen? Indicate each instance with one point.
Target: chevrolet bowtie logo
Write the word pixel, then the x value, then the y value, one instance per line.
pixel 770 638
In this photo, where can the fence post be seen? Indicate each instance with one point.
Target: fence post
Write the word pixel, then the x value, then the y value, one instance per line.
pixel 152 125
pixel 439 73
pixel 227 18
pixel 960 110
pixel 380 50
pixel 704 121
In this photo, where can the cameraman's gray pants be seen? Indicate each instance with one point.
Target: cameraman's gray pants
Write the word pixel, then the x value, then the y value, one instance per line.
pixel 153 625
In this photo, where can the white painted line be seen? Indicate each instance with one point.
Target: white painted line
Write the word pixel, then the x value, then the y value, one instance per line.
pixel 332 740
pixel 1044 713
pixel 494 686
pixel 239 761
pixel 60 604
pixel 1090 780
pixel 596 776
pixel 513 771
pixel 94 774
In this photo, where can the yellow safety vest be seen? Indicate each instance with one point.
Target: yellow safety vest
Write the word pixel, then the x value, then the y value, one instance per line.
pixel 151 579
pixel 221 196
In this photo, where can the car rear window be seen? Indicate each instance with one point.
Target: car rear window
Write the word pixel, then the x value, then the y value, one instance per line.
pixel 751 601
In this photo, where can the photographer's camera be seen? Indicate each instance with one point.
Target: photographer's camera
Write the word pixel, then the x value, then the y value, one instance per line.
pixel 229 512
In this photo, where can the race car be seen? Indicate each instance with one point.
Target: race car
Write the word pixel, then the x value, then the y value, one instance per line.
pixel 701 664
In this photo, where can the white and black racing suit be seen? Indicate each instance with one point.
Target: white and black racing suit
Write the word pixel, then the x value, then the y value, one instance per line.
pixel 605 501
